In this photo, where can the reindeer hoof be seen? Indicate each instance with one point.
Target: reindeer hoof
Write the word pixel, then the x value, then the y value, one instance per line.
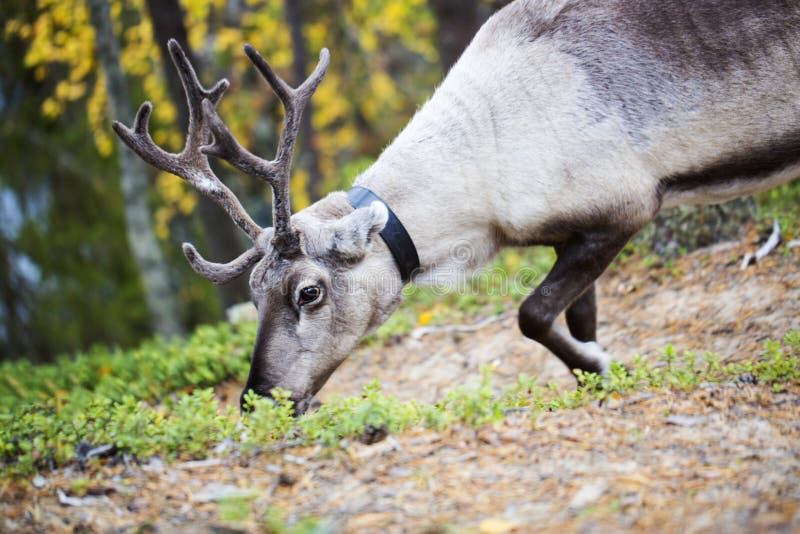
pixel 598 354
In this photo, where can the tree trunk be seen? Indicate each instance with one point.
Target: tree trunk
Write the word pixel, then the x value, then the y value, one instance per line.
pixel 457 22
pixel 15 337
pixel 307 156
pixel 144 246
pixel 220 234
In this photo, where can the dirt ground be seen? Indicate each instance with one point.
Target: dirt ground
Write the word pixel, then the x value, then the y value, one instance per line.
pixel 702 302
pixel 723 458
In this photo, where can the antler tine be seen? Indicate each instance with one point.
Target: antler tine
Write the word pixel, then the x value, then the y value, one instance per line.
pixel 221 273
pixel 138 139
pixel 192 165
pixel 195 95
pixel 275 172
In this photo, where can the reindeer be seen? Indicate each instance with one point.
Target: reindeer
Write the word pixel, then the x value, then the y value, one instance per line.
pixel 567 123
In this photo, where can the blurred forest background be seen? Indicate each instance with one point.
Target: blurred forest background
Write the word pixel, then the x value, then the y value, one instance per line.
pixel 90 236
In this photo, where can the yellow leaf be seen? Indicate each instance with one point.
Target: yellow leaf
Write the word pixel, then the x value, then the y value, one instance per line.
pixel 162 217
pixel 104 144
pixel 424 318
pixel 317 35
pixel 298 191
pixel 513 261
pixel 186 203
pixel 61 89
pixel 51 108
pixel 496 526
pixel 228 39
pixel 12 27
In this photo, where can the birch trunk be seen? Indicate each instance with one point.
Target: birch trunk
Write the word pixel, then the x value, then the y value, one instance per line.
pixel 133 176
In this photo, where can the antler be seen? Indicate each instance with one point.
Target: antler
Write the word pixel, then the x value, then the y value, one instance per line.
pixel 192 165
pixel 275 172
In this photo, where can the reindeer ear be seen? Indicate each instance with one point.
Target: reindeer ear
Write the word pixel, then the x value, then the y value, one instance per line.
pixel 354 232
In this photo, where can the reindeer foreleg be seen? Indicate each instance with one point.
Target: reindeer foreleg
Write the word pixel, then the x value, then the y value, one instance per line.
pixel 570 286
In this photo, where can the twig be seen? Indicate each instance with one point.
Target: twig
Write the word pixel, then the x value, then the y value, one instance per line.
pixel 771 243
pixel 417 333
pixel 748 258
pixel 99 451
pixel 766 248
pixel 635 399
pixel 199 464
pixel 66 500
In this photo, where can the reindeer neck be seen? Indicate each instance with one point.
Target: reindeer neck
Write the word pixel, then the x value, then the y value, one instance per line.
pixel 431 177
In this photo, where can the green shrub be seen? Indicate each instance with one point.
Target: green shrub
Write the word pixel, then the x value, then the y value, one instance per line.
pixel 474 405
pixel 47 433
pixel 355 417
pixel 266 420
pixel 151 371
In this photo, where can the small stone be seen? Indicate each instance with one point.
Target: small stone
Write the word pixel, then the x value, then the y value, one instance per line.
pixel 587 494
pixel 299 460
pixel 243 312
pixel 399 472
pixel 66 500
pixel 510 436
pixel 272 468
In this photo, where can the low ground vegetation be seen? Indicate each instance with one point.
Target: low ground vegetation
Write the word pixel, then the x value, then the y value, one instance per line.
pixel 107 418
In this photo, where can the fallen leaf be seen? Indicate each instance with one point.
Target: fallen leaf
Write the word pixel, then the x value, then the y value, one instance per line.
pixel 496 525
pixel 424 318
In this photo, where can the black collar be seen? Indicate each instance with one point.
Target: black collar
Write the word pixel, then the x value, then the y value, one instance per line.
pixel 394 233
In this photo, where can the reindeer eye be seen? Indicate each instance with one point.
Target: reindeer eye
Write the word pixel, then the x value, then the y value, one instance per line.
pixel 309 294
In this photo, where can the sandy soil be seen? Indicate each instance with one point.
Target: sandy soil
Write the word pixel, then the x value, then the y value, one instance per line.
pixel 723 458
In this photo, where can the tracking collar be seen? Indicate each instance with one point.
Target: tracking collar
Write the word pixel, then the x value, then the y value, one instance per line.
pixel 394 233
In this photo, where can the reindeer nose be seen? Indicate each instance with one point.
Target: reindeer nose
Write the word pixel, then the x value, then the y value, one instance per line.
pixel 301 406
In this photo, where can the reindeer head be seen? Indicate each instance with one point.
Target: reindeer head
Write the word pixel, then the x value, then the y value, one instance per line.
pixel 318 284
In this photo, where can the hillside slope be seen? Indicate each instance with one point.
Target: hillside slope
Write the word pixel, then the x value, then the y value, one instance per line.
pixel 720 457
